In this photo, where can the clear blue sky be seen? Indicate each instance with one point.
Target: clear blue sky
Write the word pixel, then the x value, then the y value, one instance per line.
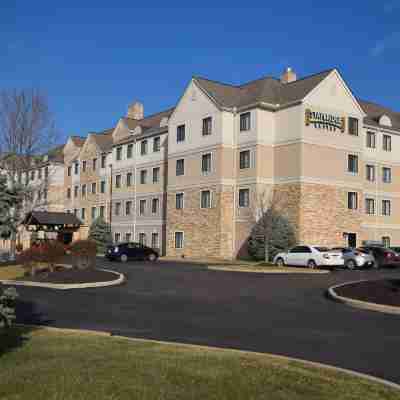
pixel 95 57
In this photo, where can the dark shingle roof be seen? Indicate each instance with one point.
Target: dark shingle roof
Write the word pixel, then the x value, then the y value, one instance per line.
pixel 104 139
pixel 148 122
pixel 51 218
pixel 375 111
pixel 267 89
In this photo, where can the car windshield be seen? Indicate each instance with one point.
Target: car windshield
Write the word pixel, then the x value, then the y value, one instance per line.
pixel 321 249
pixel 364 251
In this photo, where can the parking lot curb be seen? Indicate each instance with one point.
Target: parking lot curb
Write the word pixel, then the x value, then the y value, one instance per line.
pixel 365 305
pixel 239 268
pixel 221 349
pixel 65 286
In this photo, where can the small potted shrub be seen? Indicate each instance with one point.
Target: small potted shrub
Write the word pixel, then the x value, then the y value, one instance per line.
pixel 84 253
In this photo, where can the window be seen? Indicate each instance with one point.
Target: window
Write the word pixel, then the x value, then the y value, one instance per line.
pixel 179 201
pixel 119 153
pixel 142 239
pixel 103 186
pixel 156 174
pixel 83 166
pixel 94 213
pixel 371 140
pixel 45 193
pixel 156 144
pixel 94 188
pixel 69 171
pixel 68 193
pixel 76 168
pixel 180 167
pixel 129 179
pixel 142 207
pixel 180 133
pixel 387 143
pixel 128 208
pixel 370 206
pixel 245 122
pixel 39 173
pixel 128 237
pixel 117 210
pixel 32 175
pixel 154 206
pixel 352 200
pixel 118 181
pixel 129 151
pixel 207 126
pixel 83 190
pixel 179 240
pixel 75 212
pixel 206 164
pixel 353 126
pixel 83 214
pixel 143 147
pixel 155 244
pixel 39 195
pixel 300 249
pixel 205 199
pixel 386 241
pixel 76 189
pixel 102 211
pixel 117 237
pixel 386 207
pixel 386 175
pixel 94 164
pixel 143 176
pixel 244 197
pixel 103 161
pixel 244 159
pixel 352 164
pixel 370 172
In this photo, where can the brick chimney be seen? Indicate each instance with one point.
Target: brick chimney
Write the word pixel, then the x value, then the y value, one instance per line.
pixel 135 111
pixel 288 76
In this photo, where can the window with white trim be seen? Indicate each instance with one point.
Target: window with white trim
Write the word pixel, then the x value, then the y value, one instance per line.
pixel 129 179
pixel 352 163
pixel 370 206
pixel 179 201
pixel 370 172
pixel 143 147
pixel 386 241
pixel 178 240
pixel 205 199
pixel 117 237
pixel 117 208
pixel 371 140
pixel 94 213
pixel 386 207
pixel 386 175
pixel 245 122
pixel 143 176
pixel 155 204
pixel 387 143
pixel 207 126
pixel 244 197
pixel 142 238
pixel 352 200
pixel 118 181
pixel 244 159
pixel 128 237
pixel 156 144
pixel 180 133
pixel 128 207
pixel 156 174
pixel 206 164
pixel 180 167
pixel 155 241
pixel 142 207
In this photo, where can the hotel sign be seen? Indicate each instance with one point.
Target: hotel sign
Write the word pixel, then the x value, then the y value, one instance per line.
pixel 325 121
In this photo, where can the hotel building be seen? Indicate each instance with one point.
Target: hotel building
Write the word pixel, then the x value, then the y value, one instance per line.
pixel 187 180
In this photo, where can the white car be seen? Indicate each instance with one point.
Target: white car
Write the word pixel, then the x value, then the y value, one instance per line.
pixel 310 256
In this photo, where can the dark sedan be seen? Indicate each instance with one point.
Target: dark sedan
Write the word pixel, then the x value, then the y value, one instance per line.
pixel 131 251
pixel 384 257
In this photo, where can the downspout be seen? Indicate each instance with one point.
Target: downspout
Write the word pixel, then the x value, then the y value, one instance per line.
pixel 111 193
pixel 134 190
pixel 234 183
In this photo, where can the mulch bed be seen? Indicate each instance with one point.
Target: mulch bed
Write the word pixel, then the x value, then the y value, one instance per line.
pixel 385 292
pixel 72 276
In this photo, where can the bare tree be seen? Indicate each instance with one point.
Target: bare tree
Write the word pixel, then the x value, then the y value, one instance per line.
pixel 272 231
pixel 27 133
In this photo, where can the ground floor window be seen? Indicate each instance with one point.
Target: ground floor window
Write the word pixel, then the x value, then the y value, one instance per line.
pixel 142 238
pixel 205 199
pixel 155 240
pixel 117 237
pixel 386 241
pixel 179 240
pixel 128 237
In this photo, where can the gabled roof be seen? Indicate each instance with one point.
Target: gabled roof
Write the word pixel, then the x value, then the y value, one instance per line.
pixel 268 90
pixel 375 111
pixel 104 139
pixel 78 140
pixel 50 218
pixel 150 121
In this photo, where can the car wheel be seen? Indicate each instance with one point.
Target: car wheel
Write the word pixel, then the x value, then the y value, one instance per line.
pixel 351 264
pixel 280 262
pixel 312 264
pixel 124 258
pixel 152 257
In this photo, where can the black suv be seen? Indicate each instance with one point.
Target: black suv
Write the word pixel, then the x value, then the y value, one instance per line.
pixel 125 251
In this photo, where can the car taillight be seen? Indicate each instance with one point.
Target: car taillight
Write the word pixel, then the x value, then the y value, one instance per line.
pixel 388 255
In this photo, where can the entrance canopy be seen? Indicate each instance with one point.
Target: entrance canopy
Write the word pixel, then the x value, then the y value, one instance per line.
pixel 51 221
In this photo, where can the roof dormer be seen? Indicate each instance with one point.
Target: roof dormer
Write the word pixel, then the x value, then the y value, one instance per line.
pixel 385 120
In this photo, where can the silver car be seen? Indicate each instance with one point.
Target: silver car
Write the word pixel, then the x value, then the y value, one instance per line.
pixel 356 258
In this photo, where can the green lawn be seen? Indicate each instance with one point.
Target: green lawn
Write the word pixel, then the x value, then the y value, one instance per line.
pixel 54 365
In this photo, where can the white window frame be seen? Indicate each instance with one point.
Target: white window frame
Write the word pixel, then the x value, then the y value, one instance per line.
pixel 145 238
pixel 184 167
pixel 390 207
pixel 158 206
pixel 183 240
pixel 243 188
pixel 211 198
pixel 130 209
pixel 145 207
pixel 206 173
pixel 367 210
pixel 157 246
pixel 183 200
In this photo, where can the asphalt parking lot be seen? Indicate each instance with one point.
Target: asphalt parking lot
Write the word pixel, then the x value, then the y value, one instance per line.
pixel 274 313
